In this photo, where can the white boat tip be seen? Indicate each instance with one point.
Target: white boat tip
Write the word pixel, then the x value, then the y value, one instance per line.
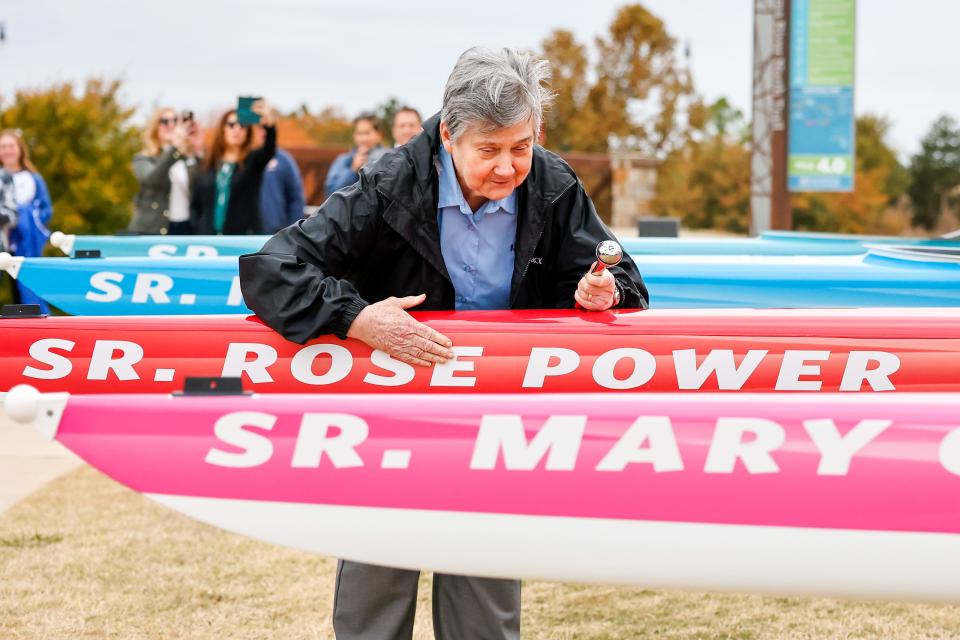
pixel 63 241
pixel 22 402
pixel 26 405
pixel 10 264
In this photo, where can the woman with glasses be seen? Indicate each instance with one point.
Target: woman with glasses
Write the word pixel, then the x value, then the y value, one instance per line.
pixel 164 143
pixel 226 197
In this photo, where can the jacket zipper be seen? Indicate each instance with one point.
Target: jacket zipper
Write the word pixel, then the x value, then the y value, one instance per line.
pixel 536 241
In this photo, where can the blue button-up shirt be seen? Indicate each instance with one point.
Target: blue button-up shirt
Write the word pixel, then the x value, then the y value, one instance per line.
pixel 477 247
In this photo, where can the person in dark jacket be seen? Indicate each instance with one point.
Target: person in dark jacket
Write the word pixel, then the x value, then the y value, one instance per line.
pixel 226 196
pixel 471 214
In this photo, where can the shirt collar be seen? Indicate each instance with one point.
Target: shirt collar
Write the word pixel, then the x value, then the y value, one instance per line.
pixel 451 195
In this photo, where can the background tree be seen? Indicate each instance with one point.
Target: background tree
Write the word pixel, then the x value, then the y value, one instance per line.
pixel 83 144
pixel 706 182
pixel 385 111
pixel 639 95
pixel 935 172
pixel 564 127
pixel 327 127
pixel 879 182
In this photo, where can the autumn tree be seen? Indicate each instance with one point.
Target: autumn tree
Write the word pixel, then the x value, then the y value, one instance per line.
pixel 564 125
pixel 638 95
pixel 706 182
pixel 83 144
pixel 879 181
pixel 329 126
pixel 935 172
pixel 385 111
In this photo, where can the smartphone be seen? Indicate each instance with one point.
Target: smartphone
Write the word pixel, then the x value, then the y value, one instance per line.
pixel 245 114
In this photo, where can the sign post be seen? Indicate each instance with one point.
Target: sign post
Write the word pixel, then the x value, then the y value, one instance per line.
pixel 769 198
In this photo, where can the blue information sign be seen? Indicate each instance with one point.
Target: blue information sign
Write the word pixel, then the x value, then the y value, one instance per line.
pixel 821 138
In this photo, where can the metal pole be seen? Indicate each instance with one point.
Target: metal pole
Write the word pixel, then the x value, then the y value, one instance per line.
pixel 769 198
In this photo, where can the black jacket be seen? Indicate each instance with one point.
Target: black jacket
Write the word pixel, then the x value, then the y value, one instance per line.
pixel 379 238
pixel 243 208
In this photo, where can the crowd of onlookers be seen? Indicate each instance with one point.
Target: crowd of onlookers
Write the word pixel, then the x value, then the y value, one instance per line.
pixel 241 182
pixel 233 180
pixel 368 147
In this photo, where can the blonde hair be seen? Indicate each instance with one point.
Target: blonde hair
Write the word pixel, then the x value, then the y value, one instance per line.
pixel 151 134
pixel 25 163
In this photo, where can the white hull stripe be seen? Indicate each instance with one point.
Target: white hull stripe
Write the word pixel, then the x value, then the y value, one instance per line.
pixel 781 560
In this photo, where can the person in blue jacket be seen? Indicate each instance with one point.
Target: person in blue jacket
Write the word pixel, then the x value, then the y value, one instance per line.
pixel 345 169
pixel 281 192
pixel 18 175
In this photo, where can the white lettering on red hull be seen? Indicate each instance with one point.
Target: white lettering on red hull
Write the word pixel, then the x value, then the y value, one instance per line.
pixel 798 370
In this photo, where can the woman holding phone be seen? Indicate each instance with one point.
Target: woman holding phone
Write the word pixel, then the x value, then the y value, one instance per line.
pixel 226 195
pixel 165 142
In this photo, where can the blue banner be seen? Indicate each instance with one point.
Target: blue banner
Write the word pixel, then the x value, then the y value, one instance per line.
pixel 821 133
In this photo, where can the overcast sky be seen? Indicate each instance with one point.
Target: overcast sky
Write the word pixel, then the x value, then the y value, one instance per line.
pixel 202 54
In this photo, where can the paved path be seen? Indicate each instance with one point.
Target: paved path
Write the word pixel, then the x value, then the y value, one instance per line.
pixel 27 461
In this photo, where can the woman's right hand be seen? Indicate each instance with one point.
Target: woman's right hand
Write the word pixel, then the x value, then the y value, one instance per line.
pixel 387 326
pixel 359 159
pixel 268 115
pixel 179 138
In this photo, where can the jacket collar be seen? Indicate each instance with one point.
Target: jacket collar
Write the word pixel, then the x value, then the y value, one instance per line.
pixel 409 181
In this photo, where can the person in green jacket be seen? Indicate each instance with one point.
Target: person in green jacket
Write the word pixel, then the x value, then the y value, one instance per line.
pixel 166 141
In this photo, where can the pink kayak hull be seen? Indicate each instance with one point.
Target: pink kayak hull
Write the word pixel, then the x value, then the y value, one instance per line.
pixel 822 494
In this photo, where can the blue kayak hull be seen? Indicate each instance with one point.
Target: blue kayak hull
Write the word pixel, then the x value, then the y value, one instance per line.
pixel 799 282
pixel 774 245
pixel 137 286
pixel 162 246
pixel 185 286
pixel 770 243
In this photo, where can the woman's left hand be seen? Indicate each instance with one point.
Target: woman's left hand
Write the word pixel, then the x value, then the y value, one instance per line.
pixel 268 116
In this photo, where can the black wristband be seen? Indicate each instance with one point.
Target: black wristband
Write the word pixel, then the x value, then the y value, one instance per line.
pixel 618 294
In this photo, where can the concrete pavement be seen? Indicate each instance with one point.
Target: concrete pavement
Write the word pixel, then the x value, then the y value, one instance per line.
pixel 27 461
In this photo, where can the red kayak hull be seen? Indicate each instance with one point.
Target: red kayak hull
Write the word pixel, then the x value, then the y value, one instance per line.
pixel 504 352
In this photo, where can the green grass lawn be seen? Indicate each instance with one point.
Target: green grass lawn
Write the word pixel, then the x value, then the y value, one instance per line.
pixel 87 558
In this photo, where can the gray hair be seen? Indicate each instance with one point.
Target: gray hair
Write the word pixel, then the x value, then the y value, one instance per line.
pixel 495 89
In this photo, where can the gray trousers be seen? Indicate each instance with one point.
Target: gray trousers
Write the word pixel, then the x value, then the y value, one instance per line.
pixel 378 603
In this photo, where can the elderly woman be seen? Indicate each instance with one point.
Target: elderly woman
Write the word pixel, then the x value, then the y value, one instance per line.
pixel 471 214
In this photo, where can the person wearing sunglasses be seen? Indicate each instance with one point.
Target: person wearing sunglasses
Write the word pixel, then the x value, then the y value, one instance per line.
pixel 226 197
pixel 164 143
